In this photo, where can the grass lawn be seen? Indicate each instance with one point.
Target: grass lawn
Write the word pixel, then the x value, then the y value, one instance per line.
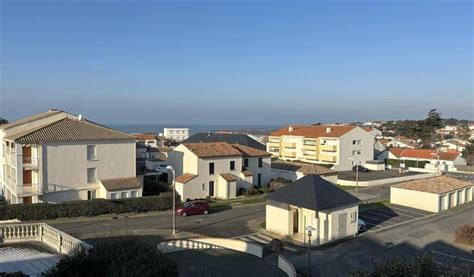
pixel 345 187
pixel 243 200
pixel 372 206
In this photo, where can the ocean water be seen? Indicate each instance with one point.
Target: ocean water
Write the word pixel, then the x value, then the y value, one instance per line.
pixel 193 128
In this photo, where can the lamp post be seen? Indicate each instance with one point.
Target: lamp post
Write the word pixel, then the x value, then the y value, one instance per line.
pixel 357 174
pixel 170 168
pixel 309 229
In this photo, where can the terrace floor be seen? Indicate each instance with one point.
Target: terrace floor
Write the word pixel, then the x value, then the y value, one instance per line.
pixel 29 258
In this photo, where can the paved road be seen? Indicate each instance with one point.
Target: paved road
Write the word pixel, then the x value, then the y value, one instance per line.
pixel 430 235
pixel 224 223
pixel 390 216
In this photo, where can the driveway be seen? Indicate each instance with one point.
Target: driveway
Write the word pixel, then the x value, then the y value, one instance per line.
pixel 390 216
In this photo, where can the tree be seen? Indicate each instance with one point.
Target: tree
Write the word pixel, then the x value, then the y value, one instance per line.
pixel 468 153
pixel 426 129
pixel 122 257
pixel 3 121
pixel 464 132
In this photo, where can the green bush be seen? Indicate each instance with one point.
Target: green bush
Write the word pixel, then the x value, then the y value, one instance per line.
pixel 465 234
pixel 252 191
pixel 94 207
pixel 420 266
pixel 119 258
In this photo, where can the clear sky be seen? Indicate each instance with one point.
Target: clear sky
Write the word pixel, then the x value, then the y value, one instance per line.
pixel 239 62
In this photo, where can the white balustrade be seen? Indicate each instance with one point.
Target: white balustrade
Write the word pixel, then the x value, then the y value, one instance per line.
pixel 44 233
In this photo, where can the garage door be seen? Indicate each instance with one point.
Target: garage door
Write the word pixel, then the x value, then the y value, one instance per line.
pixel 452 200
pixel 468 194
pixel 460 197
pixel 443 202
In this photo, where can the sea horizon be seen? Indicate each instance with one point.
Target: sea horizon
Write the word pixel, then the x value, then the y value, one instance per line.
pixel 193 128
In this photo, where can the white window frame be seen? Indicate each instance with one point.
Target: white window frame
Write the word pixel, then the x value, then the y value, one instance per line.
pixel 353 217
pixel 114 195
pixel 95 173
pixel 94 157
pixel 122 193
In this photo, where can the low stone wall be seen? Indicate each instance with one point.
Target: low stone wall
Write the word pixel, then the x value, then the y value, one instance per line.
pixel 286 266
pixel 212 243
pixel 387 180
pixel 41 232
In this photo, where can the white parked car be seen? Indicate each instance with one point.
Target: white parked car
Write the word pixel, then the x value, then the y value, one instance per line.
pixel 361 225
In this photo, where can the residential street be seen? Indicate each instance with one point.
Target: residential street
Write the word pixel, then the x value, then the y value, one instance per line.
pixel 158 226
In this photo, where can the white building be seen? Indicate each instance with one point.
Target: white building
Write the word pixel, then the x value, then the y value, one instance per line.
pixel 218 169
pixel 333 145
pixel 56 156
pixel 176 134
pixel 312 202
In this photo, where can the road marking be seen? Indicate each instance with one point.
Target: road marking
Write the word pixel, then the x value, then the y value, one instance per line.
pixel 257 239
pixel 409 211
pixel 393 213
pixel 381 221
pixel 388 216
pixel 453 256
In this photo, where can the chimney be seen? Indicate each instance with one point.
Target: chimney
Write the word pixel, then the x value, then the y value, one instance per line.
pixel 328 130
pixel 290 129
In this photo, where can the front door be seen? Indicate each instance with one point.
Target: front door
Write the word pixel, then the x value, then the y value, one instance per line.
pixel 295 221
pixel 211 188
pixel 342 221
pixel 27 200
pixel 26 152
pixel 27 177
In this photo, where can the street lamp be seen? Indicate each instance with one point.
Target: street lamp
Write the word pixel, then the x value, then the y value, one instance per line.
pixel 437 155
pixel 170 168
pixel 309 229
pixel 357 174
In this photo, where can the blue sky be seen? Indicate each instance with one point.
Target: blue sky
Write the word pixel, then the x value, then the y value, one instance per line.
pixel 240 62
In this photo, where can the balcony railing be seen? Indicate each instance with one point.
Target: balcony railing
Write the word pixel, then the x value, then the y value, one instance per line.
pixel 30 161
pixel 288 154
pixel 33 188
pixel 331 148
pixel 289 144
pixel 325 158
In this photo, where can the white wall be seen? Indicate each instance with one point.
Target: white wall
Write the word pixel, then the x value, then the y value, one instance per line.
pixel 64 166
pixel 265 170
pixel 278 219
pixel 346 147
pixel 415 199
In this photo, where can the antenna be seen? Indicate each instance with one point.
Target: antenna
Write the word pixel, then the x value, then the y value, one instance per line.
pixel 79 117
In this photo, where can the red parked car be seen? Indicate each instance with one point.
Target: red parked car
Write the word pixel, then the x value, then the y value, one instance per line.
pixel 193 207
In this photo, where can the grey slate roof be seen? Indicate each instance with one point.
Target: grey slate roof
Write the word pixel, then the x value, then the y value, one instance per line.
pixel 314 193
pixel 241 139
pixel 70 130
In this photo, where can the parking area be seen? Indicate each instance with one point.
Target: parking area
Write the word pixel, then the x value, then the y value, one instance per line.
pixel 390 215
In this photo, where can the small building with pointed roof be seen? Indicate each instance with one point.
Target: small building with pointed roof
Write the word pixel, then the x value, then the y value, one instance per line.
pixel 312 202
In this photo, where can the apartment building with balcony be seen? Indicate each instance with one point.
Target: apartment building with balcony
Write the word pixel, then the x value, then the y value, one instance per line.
pixel 323 144
pixel 176 134
pixel 218 169
pixel 56 156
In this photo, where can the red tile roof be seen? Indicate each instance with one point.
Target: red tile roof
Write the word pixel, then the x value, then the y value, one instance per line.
pixel 250 151
pixel 212 149
pixel 186 177
pixel 428 154
pixel 146 136
pixel 438 185
pixel 313 131
pixel 229 177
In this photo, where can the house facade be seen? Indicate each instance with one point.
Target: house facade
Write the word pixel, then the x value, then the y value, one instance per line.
pixel 218 169
pixel 176 134
pixel 56 157
pixel 323 144
pixel 312 202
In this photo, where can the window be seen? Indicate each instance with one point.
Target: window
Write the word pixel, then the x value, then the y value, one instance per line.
pixel 246 162
pixel 359 152
pixel 203 186
pixel 353 217
pixel 114 195
pixel 354 141
pixel 211 168
pixel 359 142
pixel 91 194
pixel 260 162
pixel 91 152
pixel 133 194
pixel 91 175
pixel 259 179
pixel 124 194
pixel 354 152
pixel 232 165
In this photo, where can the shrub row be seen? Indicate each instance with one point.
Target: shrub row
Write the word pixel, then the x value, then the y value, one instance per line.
pixel 94 207
pixel 465 234
pixel 408 163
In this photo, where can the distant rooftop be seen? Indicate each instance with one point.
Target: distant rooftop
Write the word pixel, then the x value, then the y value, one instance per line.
pixel 231 138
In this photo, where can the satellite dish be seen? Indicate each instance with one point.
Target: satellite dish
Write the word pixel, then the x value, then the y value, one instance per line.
pixel 79 117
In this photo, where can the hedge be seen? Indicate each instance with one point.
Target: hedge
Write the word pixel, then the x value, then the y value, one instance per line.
pixel 94 207
pixel 408 163
pixel 125 257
